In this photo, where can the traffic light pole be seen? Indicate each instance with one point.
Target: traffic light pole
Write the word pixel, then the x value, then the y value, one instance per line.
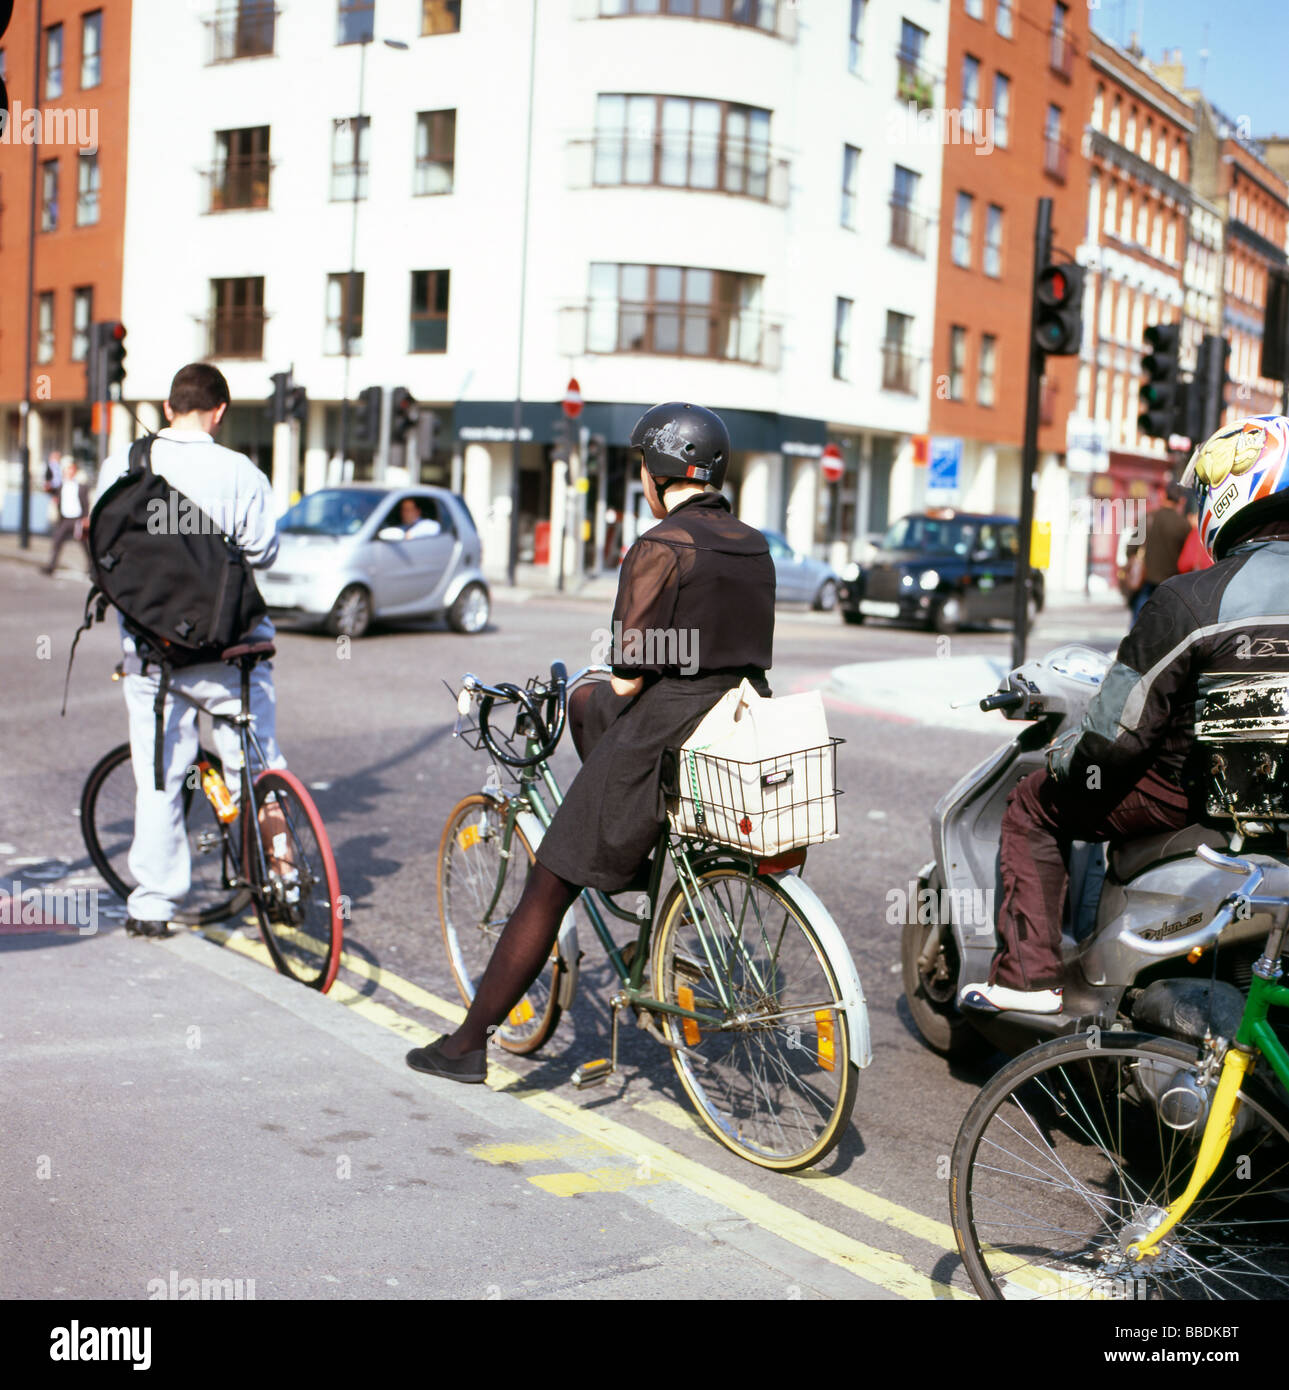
pixel 1029 454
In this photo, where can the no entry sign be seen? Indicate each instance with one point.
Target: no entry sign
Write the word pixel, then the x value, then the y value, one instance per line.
pixel 573 399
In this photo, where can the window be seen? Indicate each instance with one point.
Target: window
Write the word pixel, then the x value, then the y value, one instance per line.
pixel 1157 235
pixel 1114 119
pixel 1147 136
pixel 429 323
pixel 1130 130
pixel 957 361
pixel 849 185
pixel 1121 316
pixel 1098 107
pixel 672 310
pixel 1125 221
pixel 1062 51
pixel 236 327
pixel 86 190
pixel 1002 108
pixel 1174 159
pixel 1161 151
pixel 1003 18
pixel 1055 153
pixel 912 84
pixel 350 152
pixel 988 369
pixel 962 211
pixel 908 226
pixel 436 138
pixel 1111 206
pixel 680 142
pixel 357 21
pixel 856 51
pixel 970 90
pixel 82 318
pixel 339 317
pixel 53 62
pixel 440 16
pixel 993 264
pixel 841 341
pixel 975 9
pixel 758 14
pixel 49 196
pixel 243 29
pixel 45 327
pixel 897 360
pixel 240 176
pixel 1170 241
pixel 1143 223
pixel 92 48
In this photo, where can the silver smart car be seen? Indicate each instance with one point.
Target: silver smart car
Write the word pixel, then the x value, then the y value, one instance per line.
pixel 351 554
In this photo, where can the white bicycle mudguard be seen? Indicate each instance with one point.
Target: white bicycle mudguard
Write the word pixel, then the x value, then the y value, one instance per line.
pixel 807 902
pixel 533 831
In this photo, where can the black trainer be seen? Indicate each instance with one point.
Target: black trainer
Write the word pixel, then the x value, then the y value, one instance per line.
pixel 133 927
pixel 471 1069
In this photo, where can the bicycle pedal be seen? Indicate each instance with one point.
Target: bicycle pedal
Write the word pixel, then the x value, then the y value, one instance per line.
pixel 593 1073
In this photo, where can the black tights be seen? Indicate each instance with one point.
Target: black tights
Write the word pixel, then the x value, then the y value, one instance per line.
pixel 526 941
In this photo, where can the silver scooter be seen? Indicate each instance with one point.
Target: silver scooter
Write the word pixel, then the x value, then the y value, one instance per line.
pixel 1127 902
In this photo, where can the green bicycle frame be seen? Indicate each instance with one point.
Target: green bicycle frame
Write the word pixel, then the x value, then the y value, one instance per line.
pixel 1256 1031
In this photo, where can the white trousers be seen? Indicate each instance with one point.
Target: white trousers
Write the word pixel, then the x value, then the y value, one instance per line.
pixel 159 857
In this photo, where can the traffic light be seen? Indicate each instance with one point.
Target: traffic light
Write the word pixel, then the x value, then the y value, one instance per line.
pixel 297 404
pixel 367 421
pixel 1058 324
pixel 427 434
pixel 1210 384
pixel 596 445
pixel 1160 394
pixel 94 364
pixel 403 414
pixel 1275 327
pixel 275 405
pixel 113 359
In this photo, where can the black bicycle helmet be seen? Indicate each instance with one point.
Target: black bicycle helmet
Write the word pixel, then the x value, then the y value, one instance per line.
pixel 681 441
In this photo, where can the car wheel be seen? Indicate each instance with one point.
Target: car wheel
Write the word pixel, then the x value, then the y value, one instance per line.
pixel 826 598
pixel 946 616
pixel 852 616
pixel 350 615
pixel 470 610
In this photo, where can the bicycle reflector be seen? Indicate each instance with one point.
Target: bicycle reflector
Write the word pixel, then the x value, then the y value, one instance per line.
pixel 685 998
pixel 521 1013
pixel 826 1050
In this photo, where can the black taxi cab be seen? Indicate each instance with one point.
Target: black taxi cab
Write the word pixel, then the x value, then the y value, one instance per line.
pixel 942 568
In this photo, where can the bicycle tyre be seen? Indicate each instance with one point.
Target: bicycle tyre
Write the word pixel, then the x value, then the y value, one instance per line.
pixel 108 836
pixel 465 886
pixel 302 921
pixel 805 1123
pixel 1081 1111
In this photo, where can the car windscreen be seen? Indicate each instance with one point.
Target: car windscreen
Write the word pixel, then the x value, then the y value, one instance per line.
pixel 331 512
pixel 932 535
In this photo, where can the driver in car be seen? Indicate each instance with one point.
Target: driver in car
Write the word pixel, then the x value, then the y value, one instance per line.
pixel 1123 773
pixel 414 523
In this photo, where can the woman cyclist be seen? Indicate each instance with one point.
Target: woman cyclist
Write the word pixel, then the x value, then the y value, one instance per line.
pixel 702 573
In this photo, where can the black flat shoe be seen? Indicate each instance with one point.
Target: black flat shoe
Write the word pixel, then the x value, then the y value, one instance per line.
pixel 470 1069
pixel 133 927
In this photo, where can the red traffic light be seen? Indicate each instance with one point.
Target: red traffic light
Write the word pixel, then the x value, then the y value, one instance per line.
pixel 118 331
pixel 1053 287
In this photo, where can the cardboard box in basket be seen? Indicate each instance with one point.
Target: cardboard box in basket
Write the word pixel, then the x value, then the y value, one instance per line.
pixel 758 774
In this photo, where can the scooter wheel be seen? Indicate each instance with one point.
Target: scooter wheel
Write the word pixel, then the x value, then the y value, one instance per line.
pixel 932 995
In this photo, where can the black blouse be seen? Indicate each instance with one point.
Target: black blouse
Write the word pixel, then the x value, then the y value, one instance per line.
pixel 695 595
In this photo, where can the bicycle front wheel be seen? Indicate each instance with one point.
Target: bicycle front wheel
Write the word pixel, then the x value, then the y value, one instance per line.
pixel 107 826
pixel 1073 1150
pixel 480 880
pixel 298 901
pixel 771 1075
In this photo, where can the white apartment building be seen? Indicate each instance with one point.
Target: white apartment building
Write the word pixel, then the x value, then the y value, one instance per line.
pixel 708 217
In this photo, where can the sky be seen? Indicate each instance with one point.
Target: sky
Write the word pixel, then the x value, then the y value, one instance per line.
pixel 1246 41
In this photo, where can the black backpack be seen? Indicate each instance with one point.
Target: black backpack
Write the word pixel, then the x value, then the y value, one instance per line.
pixel 183 588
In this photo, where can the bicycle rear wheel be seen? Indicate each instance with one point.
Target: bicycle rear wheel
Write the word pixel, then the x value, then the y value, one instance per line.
pixel 774 1081
pixel 107 826
pixel 1072 1150
pixel 299 905
pixel 478 890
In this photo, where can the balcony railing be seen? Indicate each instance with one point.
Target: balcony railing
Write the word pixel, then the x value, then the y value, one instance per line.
pixel 912 81
pixel 743 168
pixel 899 368
pixel 236 332
pixel 248 30
pixel 671 330
pixel 1061 53
pixel 1056 158
pixel 908 228
pixel 776 18
pixel 244 184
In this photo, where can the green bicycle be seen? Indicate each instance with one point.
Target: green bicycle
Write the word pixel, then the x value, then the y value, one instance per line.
pixel 1122 1165
pixel 753 991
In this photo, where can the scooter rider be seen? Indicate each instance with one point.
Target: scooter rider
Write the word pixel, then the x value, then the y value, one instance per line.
pixel 1123 772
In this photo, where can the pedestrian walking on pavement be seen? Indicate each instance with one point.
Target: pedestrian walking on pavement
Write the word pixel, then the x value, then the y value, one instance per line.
pixel 53 472
pixel 1166 532
pixel 73 512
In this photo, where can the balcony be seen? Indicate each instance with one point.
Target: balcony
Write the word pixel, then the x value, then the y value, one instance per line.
pixel 1056 158
pixel 899 368
pixel 236 332
pixel 712 332
pixel 740 168
pixel 908 228
pixel 244 184
pixel 247 30
pixel 1060 53
pixel 913 82
pixel 774 18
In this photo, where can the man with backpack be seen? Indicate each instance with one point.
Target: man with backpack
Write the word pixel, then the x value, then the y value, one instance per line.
pixel 205 486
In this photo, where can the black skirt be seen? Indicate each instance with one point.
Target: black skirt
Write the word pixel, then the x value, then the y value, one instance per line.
pixel 609 821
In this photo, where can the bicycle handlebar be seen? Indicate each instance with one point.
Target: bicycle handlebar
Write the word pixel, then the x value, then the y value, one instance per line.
pixel 544 711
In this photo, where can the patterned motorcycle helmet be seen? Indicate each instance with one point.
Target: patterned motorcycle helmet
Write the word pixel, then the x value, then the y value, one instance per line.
pixel 1241 471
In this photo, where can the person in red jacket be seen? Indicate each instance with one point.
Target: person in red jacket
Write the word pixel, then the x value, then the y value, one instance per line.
pixel 1193 556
